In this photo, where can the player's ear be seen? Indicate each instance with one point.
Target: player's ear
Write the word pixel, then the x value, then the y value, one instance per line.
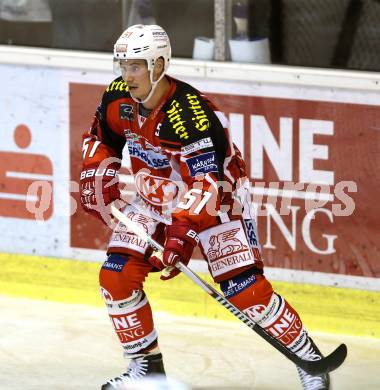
pixel 158 68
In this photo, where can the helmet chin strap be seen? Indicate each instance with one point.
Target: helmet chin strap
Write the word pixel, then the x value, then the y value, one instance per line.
pixel 152 89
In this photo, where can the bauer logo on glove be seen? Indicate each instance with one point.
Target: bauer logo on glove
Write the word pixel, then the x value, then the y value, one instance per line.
pixel 99 186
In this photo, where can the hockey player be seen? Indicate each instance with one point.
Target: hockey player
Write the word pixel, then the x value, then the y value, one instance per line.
pixel 190 179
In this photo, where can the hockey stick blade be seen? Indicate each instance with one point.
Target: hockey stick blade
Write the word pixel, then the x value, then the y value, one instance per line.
pixel 312 367
pixel 326 364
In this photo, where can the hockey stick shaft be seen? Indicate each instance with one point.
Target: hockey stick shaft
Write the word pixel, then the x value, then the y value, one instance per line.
pixel 314 367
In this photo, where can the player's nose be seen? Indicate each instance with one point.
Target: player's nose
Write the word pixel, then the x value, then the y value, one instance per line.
pixel 128 78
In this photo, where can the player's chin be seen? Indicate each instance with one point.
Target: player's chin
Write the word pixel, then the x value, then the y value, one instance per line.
pixel 138 95
pixel 133 91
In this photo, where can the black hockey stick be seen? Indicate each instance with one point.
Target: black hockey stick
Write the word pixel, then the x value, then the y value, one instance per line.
pixel 312 367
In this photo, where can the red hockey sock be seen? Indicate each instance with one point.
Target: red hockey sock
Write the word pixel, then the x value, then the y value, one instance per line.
pixel 121 280
pixel 272 312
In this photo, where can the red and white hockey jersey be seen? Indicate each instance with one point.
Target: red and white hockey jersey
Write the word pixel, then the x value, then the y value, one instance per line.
pixel 179 152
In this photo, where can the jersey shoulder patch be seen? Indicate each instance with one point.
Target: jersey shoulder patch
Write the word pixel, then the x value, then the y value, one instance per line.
pixel 116 90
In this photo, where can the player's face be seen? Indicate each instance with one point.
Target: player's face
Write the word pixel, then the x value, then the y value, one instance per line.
pixel 135 73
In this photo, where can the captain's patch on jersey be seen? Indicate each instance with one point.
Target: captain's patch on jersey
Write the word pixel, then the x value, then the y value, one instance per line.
pixel 115 263
pixel 202 164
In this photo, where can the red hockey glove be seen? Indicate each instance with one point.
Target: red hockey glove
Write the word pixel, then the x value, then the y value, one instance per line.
pixel 98 188
pixel 181 239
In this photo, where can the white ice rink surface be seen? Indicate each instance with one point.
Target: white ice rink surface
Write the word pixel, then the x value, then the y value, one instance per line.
pixel 46 345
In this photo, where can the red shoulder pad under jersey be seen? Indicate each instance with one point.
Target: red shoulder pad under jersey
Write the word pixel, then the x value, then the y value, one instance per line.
pixel 106 138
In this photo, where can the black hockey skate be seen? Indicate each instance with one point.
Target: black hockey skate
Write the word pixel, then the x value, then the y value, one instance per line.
pixel 309 382
pixel 139 368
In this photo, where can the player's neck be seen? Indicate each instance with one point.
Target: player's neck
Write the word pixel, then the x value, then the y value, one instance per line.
pixel 161 89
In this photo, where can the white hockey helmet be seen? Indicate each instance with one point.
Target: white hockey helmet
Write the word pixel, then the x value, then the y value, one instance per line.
pixel 143 42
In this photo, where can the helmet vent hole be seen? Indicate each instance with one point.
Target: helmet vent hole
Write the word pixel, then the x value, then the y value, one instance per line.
pixel 140 49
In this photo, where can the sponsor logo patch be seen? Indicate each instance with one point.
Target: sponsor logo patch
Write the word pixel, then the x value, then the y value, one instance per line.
pixel 202 164
pixel 130 135
pixel 150 157
pixel 255 312
pixel 175 118
pixel 137 345
pixel 126 111
pixel 106 295
pixel 159 35
pixel 98 172
pixel 115 263
pixel 287 326
pixel 133 300
pixel 117 86
pixel 226 247
pixel 128 327
pixel 129 240
pixel 156 190
pixel 225 243
pixel 141 219
pixel 266 316
pixel 200 118
pixel 121 48
pixel 199 145
pixel 251 229
pixel 149 146
pixel 237 284
pixel 251 232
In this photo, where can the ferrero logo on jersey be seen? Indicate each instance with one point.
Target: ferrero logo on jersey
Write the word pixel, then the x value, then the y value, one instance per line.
pixel 174 115
pixel 118 86
pixel 202 123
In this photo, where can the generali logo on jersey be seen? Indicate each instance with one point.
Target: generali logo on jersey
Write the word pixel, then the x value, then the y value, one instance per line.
pixel 225 243
pixel 226 247
pixel 124 238
pixel 141 219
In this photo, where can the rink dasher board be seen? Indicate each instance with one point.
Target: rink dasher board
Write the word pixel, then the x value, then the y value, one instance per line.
pixel 323 308
pixel 275 74
pixel 36 93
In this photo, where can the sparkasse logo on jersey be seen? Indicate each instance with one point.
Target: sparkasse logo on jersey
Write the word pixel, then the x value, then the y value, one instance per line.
pixel 150 157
